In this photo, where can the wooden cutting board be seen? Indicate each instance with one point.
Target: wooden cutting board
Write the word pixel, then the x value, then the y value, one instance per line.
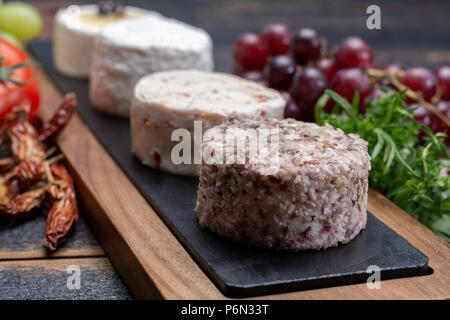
pixel 155 265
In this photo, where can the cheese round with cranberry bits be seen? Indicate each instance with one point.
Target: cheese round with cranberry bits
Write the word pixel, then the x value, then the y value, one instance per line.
pixel 128 50
pixel 307 192
pixel 191 101
pixel 74 33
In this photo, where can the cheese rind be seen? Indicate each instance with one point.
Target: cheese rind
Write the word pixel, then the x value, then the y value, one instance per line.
pixel 126 51
pixel 166 101
pixel 73 39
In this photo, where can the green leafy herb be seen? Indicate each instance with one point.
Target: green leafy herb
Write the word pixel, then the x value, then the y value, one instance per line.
pixel 412 173
pixel 6 71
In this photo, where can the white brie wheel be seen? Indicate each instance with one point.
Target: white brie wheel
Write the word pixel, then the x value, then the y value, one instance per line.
pixel 73 39
pixel 126 51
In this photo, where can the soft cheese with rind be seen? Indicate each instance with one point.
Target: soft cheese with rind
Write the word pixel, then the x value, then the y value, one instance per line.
pixel 128 50
pixel 316 196
pixel 166 101
pixel 73 39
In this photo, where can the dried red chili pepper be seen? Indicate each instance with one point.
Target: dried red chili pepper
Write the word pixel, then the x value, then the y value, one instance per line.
pixel 24 175
pixel 64 210
pixel 21 205
pixel 50 130
pixel 29 180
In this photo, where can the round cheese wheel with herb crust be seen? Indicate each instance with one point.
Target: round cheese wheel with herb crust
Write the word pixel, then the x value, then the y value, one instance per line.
pixel 166 101
pixel 316 196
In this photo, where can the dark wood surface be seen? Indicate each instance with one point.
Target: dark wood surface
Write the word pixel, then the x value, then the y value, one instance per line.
pixel 38 279
pixel 413 33
pixel 24 240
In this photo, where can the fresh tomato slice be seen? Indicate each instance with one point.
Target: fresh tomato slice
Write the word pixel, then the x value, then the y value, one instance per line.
pixel 11 94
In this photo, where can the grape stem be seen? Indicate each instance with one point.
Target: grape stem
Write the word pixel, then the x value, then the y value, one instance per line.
pixel 394 78
pixel 6 71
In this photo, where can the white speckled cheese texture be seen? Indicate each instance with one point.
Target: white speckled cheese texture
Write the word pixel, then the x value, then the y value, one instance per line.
pixel 166 101
pixel 128 50
pixel 73 40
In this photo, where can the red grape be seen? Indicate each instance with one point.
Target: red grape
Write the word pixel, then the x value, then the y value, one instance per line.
pixel 292 110
pixel 308 85
pixel 347 81
pixel 237 69
pixel 444 107
pixel 443 77
pixel 422 115
pixel 279 71
pixel 422 80
pixel 327 66
pixel 250 52
pixel 354 52
pixel 254 75
pixel 373 94
pixel 277 36
pixel 299 111
pixel 307 111
pixel 329 106
pixel 393 68
pixel 286 95
pixel 305 45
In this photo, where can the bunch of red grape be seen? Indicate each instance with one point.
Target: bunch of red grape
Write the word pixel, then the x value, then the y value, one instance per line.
pixel 301 67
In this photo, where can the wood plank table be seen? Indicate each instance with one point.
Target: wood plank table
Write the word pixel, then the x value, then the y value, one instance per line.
pixel 413 34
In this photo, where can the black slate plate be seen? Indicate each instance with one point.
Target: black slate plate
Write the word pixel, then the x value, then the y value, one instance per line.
pixel 236 269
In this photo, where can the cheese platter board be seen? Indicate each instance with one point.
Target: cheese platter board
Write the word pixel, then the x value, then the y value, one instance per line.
pixel 155 265
pixel 309 227
pixel 237 270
